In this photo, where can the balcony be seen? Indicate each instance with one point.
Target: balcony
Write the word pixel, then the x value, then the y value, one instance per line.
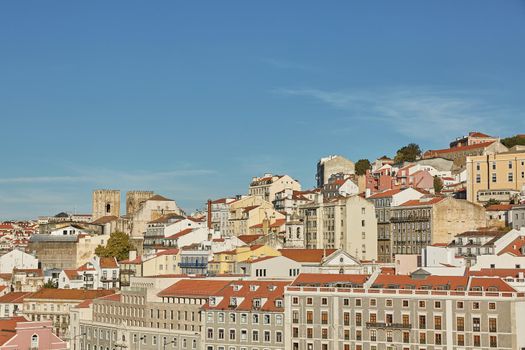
pixel 410 218
pixel 193 264
pixel 384 325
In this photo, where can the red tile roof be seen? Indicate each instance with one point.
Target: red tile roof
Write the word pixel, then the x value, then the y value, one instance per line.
pixel 503 273
pixel 477 134
pixel 329 279
pixel 419 202
pixel 249 238
pixel 108 263
pixel 514 247
pixel 461 148
pixel 174 251
pixel 69 294
pixel 13 297
pixel 385 194
pixel 7 328
pixel 499 207
pixel 490 284
pixel 430 282
pixel 245 292
pixel 180 234
pixel 194 288
pixel 306 255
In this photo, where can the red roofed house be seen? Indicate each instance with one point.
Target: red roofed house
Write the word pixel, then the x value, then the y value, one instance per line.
pixel 18 333
pixel 54 305
pixel 97 273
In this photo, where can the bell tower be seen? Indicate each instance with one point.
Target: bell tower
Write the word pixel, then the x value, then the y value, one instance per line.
pixel 106 203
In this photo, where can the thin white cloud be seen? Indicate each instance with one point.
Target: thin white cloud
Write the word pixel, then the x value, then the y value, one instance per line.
pixel 417 113
pixel 106 175
pixel 282 64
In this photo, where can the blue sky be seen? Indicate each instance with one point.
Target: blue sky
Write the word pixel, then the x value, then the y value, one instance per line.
pixel 191 99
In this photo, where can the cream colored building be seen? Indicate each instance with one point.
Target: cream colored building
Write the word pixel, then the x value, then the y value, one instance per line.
pixel 347 223
pixel 268 185
pixel 498 176
pixel 421 222
pixel 248 212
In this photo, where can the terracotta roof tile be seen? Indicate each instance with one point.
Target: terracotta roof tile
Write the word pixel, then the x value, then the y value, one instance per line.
pixel 69 294
pixel 189 287
pixel 306 255
pixel 328 279
pixel 108 263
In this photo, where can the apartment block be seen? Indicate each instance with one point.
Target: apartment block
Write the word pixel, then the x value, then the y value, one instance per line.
pixel 399 312
pixel 495 176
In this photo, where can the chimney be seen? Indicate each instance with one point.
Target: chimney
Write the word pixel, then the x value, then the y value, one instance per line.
pixel 209 213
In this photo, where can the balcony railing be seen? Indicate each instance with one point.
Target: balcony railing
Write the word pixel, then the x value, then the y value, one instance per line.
pixel 384 325
pixel 200 265
pixel 409 218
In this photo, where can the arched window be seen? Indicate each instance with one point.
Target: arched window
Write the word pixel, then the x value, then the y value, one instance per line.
pixel 34 341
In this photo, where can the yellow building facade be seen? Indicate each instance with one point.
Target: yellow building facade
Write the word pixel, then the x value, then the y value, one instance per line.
pixel 495 176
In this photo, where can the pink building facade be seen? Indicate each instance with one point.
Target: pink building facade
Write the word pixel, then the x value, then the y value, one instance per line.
pixel 18 333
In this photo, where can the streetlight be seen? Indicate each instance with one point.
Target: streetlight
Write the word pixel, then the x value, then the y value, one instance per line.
pixel 168 343
pixel 75 337
pixel 140 340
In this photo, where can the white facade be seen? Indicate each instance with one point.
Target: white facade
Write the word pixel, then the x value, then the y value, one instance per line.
pixel 270 267
pixel 435 256
pixel 17 259
pixel 69 231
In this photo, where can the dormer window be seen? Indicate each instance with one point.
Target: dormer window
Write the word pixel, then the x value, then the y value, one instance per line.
pixel 271 287
pixel 257 303
pixel 278 303
pixel 237 287
pixel 213 301
pixel 253 288
pixel 233 301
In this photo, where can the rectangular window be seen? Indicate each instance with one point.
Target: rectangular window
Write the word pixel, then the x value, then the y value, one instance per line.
pixel 460 324
pixel 476 324
pixel 493 325
pixel 494 178
pixel 510 177
pixel 437 322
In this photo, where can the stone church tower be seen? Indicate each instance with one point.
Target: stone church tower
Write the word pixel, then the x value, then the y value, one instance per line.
pixel 294 236
pixel 134 199
pixel 106 203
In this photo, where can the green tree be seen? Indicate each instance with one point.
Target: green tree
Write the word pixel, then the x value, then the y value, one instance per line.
pixel 50 284
pixel 118 246
pixel 492 201
pixel 513 141
pixel 408 153
pixel 438 184
pixel 361 166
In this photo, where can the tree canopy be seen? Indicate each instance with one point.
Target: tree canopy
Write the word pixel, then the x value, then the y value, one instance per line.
pixel 408 153
pixel 361 166
pixel 513 141
pixel 438 184
pixel 118 246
